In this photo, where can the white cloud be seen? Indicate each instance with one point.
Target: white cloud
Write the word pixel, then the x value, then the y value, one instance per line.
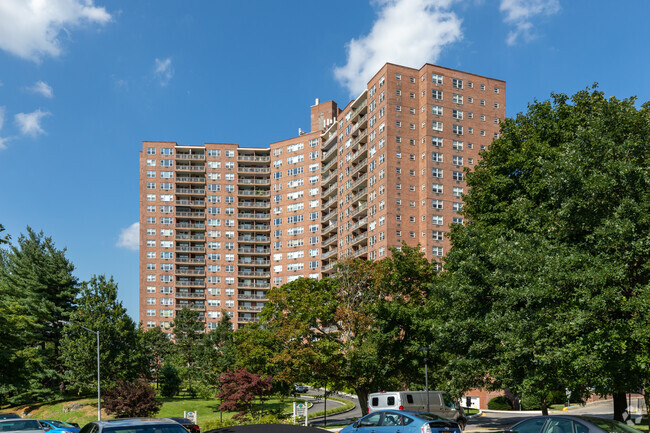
pixel 30 123
pixel 519 13
pixel 164 71
pixel 43 89
pixel 31 29
pixel 130 237
pixel 3 140
pixel 406 32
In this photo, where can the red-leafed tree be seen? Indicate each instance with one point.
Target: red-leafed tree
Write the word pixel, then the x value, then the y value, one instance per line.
pixel 239 389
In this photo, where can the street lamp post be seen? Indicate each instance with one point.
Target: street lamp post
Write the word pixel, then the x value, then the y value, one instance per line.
pixel 426 373
pixel 99 387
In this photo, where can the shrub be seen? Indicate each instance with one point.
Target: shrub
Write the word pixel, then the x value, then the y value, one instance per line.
pixel 131 399
pixel 500 403
pixel 170 381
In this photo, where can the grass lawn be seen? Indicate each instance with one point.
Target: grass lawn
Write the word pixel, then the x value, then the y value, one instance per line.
pixel 83 411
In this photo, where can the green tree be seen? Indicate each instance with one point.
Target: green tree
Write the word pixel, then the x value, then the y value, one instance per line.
pixel 189 334
pixel 120 357
pixel 156 347
pixel 171 380
pixel 548 281
pixel 37 291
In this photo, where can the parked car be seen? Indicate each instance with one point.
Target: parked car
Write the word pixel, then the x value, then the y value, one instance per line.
pixel 141 425
pixel 570 424
pixel 52 426
pixel 300 389
pixel 9 415
pixel 403 421
pixel 29 425
pixel 189 425
pixel 438 402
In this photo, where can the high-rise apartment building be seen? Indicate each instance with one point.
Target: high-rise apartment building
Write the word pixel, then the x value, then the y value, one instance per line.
pixel 222 224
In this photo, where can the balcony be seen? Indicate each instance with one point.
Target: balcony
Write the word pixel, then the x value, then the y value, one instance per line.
pixel 359 195
pixel 186 237
pixel 328 166
pixel 328 267
pixel 360 252
pixel 191 156
pixel 250 307
pixel 190 168
pixel 328 229
pixel 190 191
pixel 189 295
pixel 182 283
pixel 361 222
pixel 190 306
pixel 254 192
pixel 182 214
pixel 195 249
pixel 195 260
pixel 362 164
pixel 359 209
pixel 253 169
pixel 328 216
pixel 248 319
pixel 253 158
pixel 329 153
pixel 325 179
pixel 251 296
pixel 190 272
pixel 262 262
pixel 247 284
pixel 358 153
pixel 254 181
pixel 253 216
pixel 256 274
pixel 253 239
pixel 359 238
pixel 191 179
pixel 328 203
pixel 329 241
pixel 254 204
pixel 186 202
pixel 244 250
pixel 359 180
pixel 329 253
pixel 254 227
pixel 358 110
pixel 188 226
pixel 329 191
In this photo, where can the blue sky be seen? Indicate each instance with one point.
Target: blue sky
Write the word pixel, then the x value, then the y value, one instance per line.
pixel 83 83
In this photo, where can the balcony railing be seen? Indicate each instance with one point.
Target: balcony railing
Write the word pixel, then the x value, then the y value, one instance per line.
pixel 183 167
pixel 329 253
pixel 256 192
pixel 190 214
pixel 253 169
pixel 199 260
pixel 254 181
pixel 254 262
pixel 190 306
pixel 189 283
pixel 190 156
pixel 260 204
pixel 189 295
pixel 254 239
pixel 253 158
pixel 190 226
pixel 253 250
pixel 258 274
pixel 190 249
pixel 257 297
pixel 260 227
pixel 193 191
pixel 189 272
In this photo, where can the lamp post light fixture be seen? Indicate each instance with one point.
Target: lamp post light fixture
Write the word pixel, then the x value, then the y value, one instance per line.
pixel 99 387
pixel 426 373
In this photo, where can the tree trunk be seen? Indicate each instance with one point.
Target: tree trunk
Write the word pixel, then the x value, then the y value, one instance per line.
pixel 544 405
pixel 362 395
pixel 620 405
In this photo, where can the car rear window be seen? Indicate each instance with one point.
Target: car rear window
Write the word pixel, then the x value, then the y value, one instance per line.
pixel 390 401
pixel 20 424
pixel 161 428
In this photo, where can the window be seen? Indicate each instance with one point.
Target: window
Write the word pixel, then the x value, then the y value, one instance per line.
pixel 436 172
pixel 437 220
pixel 496 105
pixel 457 206
pixel 458 84
pixel 436 110
pixel 436 204
pixel 457 175
pixel 482 102
pixel 436 79
pixel 457 129
pixel 436 126
pixel 436 94
pixel 436 141
pixel 457 99
pixel 436 157
pixel 437 251
pixel 457 160
pixel 457 145
pixel 457 114
pixel 436 188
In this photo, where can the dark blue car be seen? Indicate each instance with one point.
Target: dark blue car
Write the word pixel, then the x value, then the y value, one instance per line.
pixel 402 421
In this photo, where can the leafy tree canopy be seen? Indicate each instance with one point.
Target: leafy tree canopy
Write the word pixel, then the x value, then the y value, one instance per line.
pixel 548 281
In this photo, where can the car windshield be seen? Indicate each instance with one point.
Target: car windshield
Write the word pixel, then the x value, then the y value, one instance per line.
pixel 160 428
pixel 609 425
pixel 60 424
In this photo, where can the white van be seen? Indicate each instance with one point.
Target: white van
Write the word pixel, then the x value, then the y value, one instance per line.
pixel 440 403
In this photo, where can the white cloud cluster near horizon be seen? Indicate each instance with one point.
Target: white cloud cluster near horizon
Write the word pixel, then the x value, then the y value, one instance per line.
pixel 519 13
pixel 406 32
pixel 32 29
pixel 3 140
pixel 130 237
pixel 42 88
pixel 163 71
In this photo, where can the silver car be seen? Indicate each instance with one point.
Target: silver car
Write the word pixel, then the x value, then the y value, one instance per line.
pixel 26 425
pixel 570 424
